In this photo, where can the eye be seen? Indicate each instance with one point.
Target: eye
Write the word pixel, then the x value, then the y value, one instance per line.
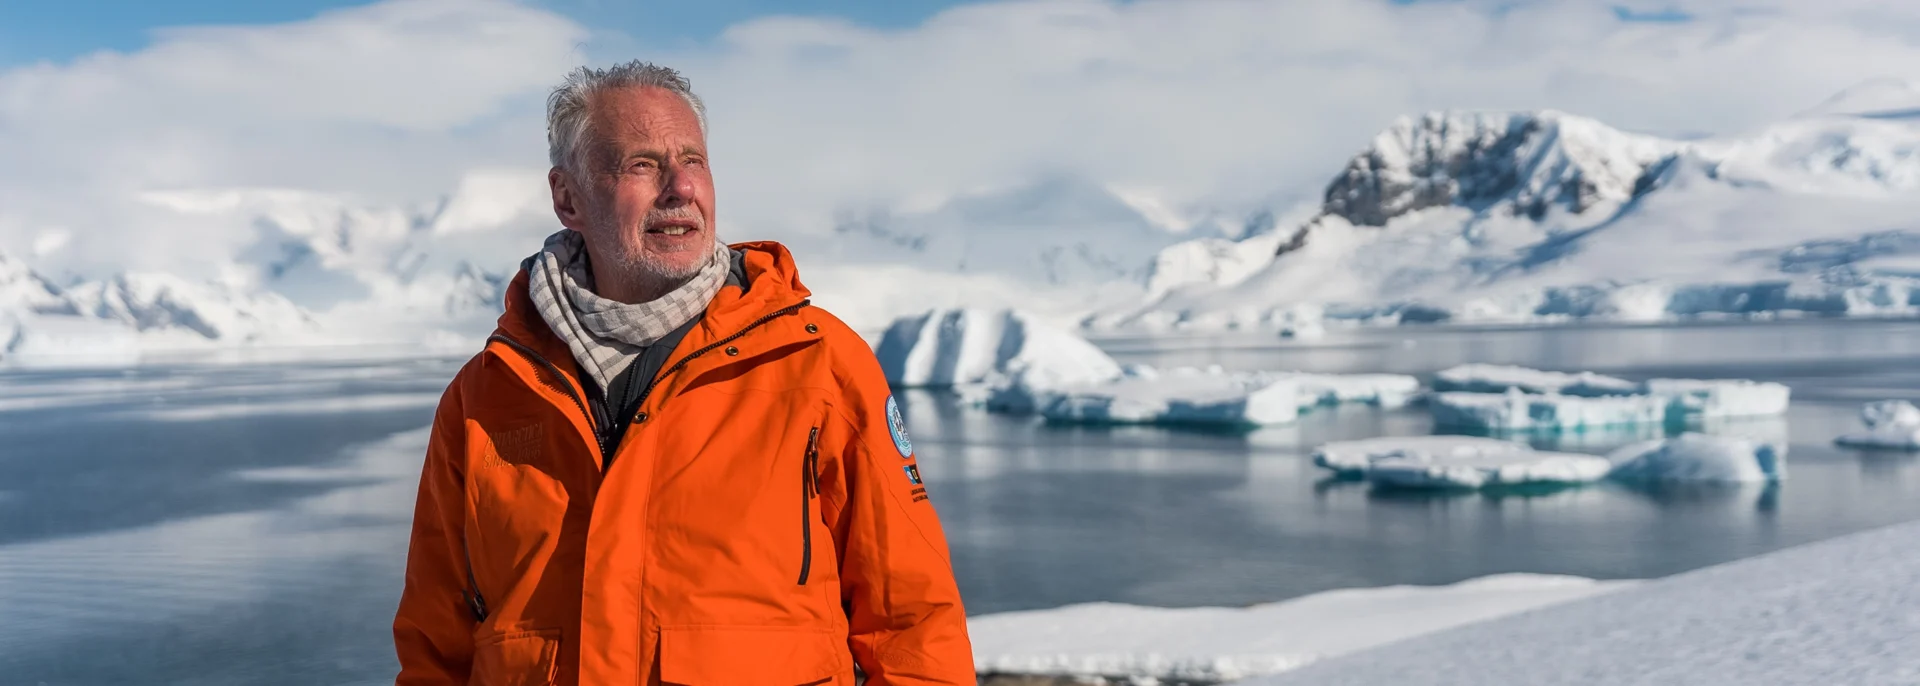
pixel 643 164
pixel 696 161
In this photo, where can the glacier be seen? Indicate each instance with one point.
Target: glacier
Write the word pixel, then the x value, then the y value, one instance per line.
pixel 1456 462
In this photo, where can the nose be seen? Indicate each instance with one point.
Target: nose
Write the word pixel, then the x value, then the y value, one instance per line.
pixel 677 190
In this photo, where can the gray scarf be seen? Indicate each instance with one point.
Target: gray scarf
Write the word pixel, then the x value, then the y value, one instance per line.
pixel 606 335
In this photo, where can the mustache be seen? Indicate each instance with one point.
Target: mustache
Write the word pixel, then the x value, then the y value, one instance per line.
pixel 683 213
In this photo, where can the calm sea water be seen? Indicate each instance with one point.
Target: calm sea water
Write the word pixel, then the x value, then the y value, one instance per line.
pixel 244 525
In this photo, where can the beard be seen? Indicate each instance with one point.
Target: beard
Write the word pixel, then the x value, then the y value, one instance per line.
pixel 627 253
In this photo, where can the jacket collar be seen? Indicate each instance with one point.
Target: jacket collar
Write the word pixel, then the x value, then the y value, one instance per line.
pixel 772 284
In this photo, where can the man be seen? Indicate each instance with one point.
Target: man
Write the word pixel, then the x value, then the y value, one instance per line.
pixel 666 466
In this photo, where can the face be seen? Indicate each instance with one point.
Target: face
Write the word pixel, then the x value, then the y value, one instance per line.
pixel 641 194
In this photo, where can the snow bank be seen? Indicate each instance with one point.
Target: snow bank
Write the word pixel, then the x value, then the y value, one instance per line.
pixel 1699 457
pixel 1893 424
pixel 1494 378
pixel 1456 462
pixel 1209 645
pixel 1187 395
pixel 1835 612
pixel 944 348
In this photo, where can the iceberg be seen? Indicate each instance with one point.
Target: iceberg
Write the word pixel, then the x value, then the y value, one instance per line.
pixel 1182 396
pixel 1696 457
pixel 1891 424
pixel 1456 462
pixel 946 348
pixel 1494 378
pixel 1518 411
pixel 1693 399
pixel 1669 402
pixel 1187 395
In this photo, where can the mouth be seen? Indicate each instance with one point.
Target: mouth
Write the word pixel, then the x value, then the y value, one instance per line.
pixel 673 228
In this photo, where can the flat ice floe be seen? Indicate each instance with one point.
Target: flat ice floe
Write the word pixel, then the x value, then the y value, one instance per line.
pixel 1494 378
pixel 1699 457
pixel 1671 402
pixel 1199 396
pixel 1137 644
pixel 1891 424
pixel 944 348
pixel 1456 462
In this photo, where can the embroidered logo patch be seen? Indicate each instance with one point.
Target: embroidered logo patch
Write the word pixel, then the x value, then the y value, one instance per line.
pixel 898 427
pixel 913 474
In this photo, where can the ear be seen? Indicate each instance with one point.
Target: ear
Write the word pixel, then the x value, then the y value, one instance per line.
pixel 566 199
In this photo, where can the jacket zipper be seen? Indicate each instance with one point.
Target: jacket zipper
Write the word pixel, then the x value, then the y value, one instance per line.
pixel 478 604
pixel 809 487
pixel 655 381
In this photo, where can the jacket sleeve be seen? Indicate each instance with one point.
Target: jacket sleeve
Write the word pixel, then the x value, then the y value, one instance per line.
pixel 433 630
pixel 906 622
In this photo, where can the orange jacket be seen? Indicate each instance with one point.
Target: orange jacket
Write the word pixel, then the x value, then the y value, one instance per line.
pixel 760 523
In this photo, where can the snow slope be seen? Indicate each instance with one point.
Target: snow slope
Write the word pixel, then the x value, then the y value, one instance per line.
pixel 1843 611
pixel 1546 215
pixel 1211 644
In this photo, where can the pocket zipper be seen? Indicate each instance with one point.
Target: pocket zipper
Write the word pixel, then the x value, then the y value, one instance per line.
pixel 809 487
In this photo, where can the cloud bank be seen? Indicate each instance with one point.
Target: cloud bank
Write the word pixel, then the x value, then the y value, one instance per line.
pixel 1188 105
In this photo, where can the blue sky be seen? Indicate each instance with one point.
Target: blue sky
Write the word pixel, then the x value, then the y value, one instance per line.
pixel 37 30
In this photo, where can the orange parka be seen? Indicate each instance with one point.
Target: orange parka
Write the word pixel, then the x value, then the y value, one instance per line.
pixel 761 522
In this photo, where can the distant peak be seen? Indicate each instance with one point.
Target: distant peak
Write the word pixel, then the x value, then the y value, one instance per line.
pixel 1529 161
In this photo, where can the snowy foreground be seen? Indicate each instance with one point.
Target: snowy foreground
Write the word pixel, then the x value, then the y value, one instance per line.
pixel 1844 611
pixel 1013 362
pixel 1212 645
pixel 1470 462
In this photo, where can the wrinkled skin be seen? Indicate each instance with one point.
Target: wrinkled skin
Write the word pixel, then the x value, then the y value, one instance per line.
pixel 640 193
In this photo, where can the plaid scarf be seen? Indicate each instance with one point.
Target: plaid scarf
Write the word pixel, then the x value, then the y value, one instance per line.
pixel 606 335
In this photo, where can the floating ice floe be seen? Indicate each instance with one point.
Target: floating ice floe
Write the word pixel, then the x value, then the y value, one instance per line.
pixel 1494 378
pixel 1114 643
pixel 945 348
pixel 1893 424
pixel 1670 402
pixel 1700 457
pixel 1012 363
pixel 1144 395
pixel 1456 462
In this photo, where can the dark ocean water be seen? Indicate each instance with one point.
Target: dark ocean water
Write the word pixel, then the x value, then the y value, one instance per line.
pixel 246 525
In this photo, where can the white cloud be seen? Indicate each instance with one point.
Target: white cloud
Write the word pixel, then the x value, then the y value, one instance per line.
pixel 388 103
pixel 1188 103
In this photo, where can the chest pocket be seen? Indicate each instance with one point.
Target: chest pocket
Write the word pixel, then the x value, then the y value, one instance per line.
pixel 752 656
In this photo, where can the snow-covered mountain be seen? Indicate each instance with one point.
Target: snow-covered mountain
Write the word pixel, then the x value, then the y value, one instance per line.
pixel 1523 216
pixel 1458 216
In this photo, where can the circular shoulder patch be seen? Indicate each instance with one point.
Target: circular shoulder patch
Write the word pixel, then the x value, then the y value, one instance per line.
pixel 898 428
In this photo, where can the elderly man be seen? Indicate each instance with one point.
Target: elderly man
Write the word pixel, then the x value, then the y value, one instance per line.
pixel 666 466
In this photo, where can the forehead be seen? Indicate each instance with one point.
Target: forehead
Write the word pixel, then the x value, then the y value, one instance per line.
pixel 644 115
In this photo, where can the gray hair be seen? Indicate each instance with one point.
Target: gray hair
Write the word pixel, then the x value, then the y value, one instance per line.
pixel 567 106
